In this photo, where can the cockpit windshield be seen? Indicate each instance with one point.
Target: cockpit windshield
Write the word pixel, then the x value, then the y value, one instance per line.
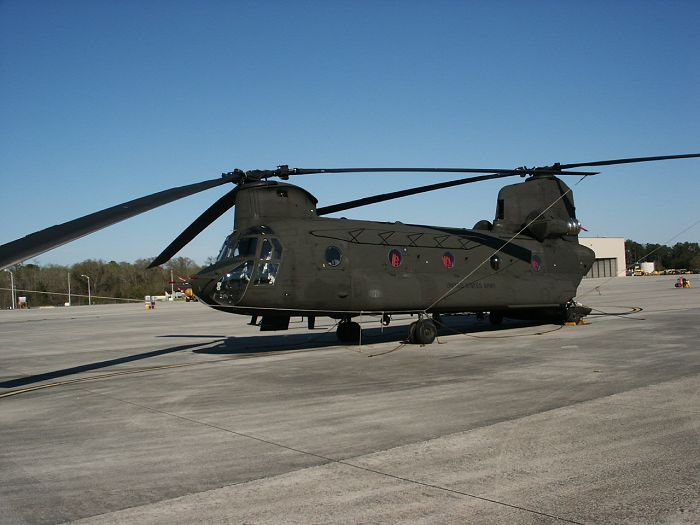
pixel 260 270
pixel 243 247
pixel 232 286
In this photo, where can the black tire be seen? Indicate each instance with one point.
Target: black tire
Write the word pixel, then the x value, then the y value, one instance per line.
pixel 349 332
pixel 572 316
pixel 423 333
pixel 575 314
pixel 495 318
pixel 411 338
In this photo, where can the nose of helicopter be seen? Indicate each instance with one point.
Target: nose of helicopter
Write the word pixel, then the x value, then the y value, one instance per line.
pixel 204 286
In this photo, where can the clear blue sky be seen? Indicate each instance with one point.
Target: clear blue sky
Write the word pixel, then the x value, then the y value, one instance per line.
pixel 102 102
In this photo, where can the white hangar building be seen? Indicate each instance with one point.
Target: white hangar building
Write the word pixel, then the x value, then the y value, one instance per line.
pixel 609 256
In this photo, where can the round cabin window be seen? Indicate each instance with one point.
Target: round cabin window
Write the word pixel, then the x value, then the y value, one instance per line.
pixel 395 258
pixel 333 256
pixel 536 263
pixel 448 260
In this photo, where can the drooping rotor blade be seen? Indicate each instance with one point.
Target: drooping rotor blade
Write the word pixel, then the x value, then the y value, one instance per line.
pixel 212 213
pixel 627 161
pixel 405 193
pixel 39 242
pixel 432 187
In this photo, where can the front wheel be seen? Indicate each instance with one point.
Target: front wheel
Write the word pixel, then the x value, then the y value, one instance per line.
pixel 349 332
pixel 422 332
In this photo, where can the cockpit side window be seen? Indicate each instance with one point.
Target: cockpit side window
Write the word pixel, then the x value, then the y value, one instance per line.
pixel 271 249
pixel 266 250
pixel 268 265
pixel 267 273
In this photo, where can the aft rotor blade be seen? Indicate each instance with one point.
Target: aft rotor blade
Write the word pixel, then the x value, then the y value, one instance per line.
pixel 509 171
pixel 405 193
pixel 39 242
pixel 628 161
pixel 212 213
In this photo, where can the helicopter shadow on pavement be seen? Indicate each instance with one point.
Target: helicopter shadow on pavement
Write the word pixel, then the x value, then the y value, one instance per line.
pixel 98 365
pixel 314 339
pixel 251 346
pixel 317 339
pixel 225 345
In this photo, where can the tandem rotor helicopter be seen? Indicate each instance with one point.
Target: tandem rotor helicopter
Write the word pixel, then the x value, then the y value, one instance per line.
pixel 285 258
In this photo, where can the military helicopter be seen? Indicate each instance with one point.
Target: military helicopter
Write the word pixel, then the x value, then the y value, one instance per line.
pixel 284 258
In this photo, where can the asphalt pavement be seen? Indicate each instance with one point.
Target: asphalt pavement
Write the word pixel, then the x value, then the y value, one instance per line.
pixel 116 414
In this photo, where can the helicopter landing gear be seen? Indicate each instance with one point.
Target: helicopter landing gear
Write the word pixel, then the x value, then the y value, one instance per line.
pixel 574 313
pixel 311 322
pixel 572 316
pixel 422 332
pixel 348 332
pixel 495 318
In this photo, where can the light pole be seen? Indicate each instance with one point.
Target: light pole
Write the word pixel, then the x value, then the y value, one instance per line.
pixel 68 303
pixel 89 295
pixel 12 288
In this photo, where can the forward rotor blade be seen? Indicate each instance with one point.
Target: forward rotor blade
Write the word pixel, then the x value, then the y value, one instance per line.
pixel 405 193
pixel 212 213
pixel 39 242
pixel 628 161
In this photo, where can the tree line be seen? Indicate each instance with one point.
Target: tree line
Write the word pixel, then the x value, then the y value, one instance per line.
pixel 110 282
pixel 682 255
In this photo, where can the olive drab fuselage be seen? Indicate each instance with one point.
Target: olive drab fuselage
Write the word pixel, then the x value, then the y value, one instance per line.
pixel 282 259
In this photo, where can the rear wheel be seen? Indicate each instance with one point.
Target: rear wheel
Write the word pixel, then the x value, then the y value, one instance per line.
pixel 575 313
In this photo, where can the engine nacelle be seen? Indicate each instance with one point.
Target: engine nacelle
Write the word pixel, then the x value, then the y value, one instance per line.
pixel 542 205
pixel 551 228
